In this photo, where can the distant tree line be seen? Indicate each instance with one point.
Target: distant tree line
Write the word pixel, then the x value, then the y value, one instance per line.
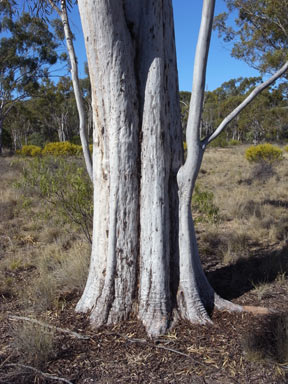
pixel 265 119
pixel 35 109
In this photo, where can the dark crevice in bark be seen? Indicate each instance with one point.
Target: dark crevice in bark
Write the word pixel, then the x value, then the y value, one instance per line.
pixel 139 105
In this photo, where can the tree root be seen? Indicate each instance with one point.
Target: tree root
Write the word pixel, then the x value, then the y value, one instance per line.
pixel 225 305
pixel 258 310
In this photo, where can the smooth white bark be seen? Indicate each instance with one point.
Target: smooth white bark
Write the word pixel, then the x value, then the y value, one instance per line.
pixel 62 12
pixel 195 295
pixel 194 292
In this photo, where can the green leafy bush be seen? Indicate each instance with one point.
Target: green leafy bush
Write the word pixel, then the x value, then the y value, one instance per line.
pixel 30 150
pixel 37 138
pixel 220 141
pixel 62 149
pixel 63 184
pixel 234 142
pixel 266 153
pixel 202 203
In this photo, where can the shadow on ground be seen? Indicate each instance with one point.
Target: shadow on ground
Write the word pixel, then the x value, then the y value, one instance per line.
pixel 234 280
pixel 268 341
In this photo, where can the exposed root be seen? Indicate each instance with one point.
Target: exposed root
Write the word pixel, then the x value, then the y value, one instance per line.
pixel 225 305
pixel 258 310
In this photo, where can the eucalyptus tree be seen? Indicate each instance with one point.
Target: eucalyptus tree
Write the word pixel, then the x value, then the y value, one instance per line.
pixel 259 34
pixel 27 50
pixel 55 108
pixel 144 253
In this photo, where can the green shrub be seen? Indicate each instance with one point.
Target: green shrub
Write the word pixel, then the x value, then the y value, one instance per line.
pixel 266 153
pixel 30 150
pixel 234 142
pixel 62 149
pixel 220 141
pixel 202 203
pixel 37 138
pixel 63 184
pixel 286 148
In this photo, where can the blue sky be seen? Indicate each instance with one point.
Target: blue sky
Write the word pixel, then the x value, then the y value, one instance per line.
pixel 187 14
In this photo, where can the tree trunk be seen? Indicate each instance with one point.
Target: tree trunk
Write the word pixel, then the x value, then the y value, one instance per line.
pixel 137 153
pixel 144 250
pixel 62 12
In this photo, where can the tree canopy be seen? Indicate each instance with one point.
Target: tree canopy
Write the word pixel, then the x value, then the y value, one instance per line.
pixel 27 50
pixel 260 32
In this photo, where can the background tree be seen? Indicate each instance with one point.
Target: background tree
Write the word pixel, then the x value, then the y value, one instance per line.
pixel 63 29
pixel 260 35
pixel 27 48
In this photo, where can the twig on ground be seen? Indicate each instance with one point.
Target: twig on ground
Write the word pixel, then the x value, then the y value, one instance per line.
pixel 7 359
pixel 143 341
pixel 62 330
pixel 46 375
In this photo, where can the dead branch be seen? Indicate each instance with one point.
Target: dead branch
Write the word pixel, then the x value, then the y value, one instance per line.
pixel 46 375
pixel 53 327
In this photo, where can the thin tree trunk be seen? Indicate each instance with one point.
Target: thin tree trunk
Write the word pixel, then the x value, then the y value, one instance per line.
pixel 76 85
pixel 195 295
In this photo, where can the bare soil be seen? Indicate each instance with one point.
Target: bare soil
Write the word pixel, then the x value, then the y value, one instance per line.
pixel 237 348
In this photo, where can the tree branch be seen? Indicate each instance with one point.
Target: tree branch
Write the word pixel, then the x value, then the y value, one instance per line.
pixel 199 74
pixel 244 104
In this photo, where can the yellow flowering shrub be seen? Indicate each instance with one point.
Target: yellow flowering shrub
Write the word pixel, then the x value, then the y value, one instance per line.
pixel 267 153
pixel 29 150
pixel 54 149
pixel 62 149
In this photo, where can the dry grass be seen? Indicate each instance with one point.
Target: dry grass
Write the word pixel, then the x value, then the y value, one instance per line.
pixel 252 210
pixel 34 344
pixel 34 239
pixel 44 263
pixel 269 343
